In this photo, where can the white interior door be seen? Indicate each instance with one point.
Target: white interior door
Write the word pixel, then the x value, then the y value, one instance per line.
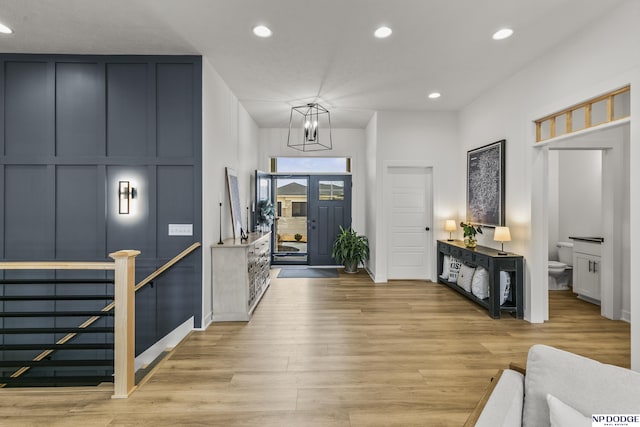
pixel 409 226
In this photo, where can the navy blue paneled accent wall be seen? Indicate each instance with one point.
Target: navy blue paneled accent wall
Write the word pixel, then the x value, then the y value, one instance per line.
pixel 71 127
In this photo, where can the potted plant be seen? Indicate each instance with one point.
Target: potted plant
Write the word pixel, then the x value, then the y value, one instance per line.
pixel 266 214
pixel 469 231
pixel 298 237
pixel 350 249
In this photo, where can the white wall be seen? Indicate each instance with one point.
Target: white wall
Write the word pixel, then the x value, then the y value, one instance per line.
pixel 626 243
pixel 553 203
pixel 580 193
pixel 371 217
pixel 346 143
pixel 416 139
pixel 600 58
pixel 229 138
pixel 634 224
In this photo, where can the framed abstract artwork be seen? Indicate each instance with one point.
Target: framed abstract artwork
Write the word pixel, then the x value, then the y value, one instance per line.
pixel 485 185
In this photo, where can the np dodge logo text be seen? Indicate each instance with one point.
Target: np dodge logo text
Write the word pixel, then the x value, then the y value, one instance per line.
pixel 615 418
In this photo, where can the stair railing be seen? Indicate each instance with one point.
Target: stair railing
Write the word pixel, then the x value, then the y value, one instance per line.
pixel 124 304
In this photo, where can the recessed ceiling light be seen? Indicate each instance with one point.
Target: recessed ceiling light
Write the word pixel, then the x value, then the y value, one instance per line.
pixel 5 30
pixel 262 31
pixel 502 34
pixel 434 95
pixel 383 32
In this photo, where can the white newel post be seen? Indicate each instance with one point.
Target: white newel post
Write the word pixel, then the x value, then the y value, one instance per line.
pixel 124 323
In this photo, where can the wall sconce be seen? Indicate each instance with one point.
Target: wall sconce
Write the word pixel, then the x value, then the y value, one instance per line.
pixel 502 235
pixel 450 225
pixel 125 193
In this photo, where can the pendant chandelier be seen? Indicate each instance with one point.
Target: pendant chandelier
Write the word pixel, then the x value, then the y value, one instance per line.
pixel 305 124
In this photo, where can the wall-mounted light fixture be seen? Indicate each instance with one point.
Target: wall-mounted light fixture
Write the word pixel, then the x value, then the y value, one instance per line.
pixel 125 193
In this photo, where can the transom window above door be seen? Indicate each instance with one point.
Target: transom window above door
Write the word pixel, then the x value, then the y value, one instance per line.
pixel 316 165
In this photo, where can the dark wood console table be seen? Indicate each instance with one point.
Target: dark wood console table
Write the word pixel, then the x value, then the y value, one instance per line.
pixel 494 263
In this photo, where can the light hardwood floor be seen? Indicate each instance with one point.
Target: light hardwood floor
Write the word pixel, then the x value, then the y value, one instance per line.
pixel 333 352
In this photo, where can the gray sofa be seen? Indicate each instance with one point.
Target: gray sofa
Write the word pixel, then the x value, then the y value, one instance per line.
pixel 558 385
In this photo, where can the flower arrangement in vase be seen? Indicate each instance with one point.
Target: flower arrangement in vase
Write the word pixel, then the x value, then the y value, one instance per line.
pixel 469 231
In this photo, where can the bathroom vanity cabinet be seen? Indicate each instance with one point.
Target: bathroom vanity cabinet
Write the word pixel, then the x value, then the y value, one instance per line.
pixel 490 259
pixel 586 267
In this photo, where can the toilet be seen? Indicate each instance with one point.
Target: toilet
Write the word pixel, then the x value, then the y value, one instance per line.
pixel 561 272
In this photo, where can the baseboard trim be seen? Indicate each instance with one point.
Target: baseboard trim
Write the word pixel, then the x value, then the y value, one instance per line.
pixel 170 340
pixel 373 276
pixel 626 316
pixel 206 321
pixel 369 273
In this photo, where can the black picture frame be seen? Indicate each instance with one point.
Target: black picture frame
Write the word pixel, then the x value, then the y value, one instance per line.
pixel 486 185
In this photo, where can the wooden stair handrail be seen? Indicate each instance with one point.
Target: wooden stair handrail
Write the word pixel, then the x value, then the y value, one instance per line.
pixel 26 265
pixel 55 265
pixel 167 265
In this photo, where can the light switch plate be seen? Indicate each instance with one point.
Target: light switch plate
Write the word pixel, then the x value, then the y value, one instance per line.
pixel 180 229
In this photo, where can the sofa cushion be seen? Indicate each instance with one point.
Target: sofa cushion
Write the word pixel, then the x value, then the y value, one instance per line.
pixel 504 407
pixel 588 386
pixel 563 415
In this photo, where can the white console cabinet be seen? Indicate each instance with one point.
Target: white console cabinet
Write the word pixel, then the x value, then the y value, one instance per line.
pixel 240 276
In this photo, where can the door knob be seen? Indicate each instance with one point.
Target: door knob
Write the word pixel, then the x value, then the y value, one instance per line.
pixel 427 228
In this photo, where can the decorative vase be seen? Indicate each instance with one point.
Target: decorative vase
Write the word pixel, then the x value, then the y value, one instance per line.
pixel 470 242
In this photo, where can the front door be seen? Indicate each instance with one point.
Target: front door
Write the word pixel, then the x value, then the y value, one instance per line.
pixel 329 208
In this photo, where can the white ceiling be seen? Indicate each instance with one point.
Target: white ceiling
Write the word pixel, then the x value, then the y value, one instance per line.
pixel 320 50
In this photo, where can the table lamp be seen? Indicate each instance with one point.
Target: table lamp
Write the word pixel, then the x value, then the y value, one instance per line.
pixel 502 235
pixel 450 225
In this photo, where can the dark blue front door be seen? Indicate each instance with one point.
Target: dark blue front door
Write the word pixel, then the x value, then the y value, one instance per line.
pixel 329 208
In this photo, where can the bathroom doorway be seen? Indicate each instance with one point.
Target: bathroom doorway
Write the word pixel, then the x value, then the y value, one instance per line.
pixel 575 224
pixel 587 195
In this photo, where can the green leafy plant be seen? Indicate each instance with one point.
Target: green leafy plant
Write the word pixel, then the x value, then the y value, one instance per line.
pixel 298 237
pixel 266 213
pixel 470 230
pixel 350 249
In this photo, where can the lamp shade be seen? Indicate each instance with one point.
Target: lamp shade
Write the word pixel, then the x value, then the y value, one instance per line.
pixel 502 234
pixel 450 225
